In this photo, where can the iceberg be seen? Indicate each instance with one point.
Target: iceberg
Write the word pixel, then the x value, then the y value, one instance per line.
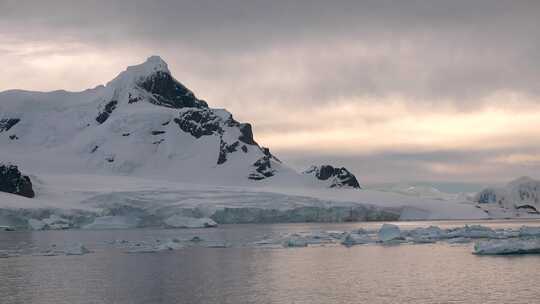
pixel 389 232
pixel 352 239
pixel 508 246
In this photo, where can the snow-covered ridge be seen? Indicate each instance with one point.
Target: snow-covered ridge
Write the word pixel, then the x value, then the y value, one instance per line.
pixel 521 195
pixel 143 123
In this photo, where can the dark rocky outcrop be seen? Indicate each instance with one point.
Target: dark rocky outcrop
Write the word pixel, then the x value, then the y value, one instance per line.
pixel 107 110
pixel 12 181
pixel 168 92
pixel 199 122
pixel 247 134
pixel 226 149
pixel 263 168
pixel 339 177
pixel 8 123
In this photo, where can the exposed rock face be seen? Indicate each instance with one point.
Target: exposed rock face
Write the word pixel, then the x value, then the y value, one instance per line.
pixel 107 110
pixel 12 181
pixel 338 177
pixel 8 123
pixel 263 168
pixel 199 122
pixel 168 92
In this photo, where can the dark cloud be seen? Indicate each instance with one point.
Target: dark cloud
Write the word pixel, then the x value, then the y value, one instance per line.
pixel 256 56
pixel 431 50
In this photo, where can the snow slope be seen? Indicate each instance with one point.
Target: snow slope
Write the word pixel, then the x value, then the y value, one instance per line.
pixel 144 148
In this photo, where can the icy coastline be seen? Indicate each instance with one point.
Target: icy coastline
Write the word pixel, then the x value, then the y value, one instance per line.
pixel 483 240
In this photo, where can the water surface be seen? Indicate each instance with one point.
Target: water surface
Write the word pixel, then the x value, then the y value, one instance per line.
pixel 427 273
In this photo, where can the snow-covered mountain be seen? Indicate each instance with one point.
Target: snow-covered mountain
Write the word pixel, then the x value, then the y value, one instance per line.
pixel 142 123
pixel 143 151
pixel 519 196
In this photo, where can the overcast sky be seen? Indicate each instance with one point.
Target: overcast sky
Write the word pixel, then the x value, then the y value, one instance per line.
pixel 394 90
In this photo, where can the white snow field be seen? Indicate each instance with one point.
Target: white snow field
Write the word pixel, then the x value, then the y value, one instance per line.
pixel 144 151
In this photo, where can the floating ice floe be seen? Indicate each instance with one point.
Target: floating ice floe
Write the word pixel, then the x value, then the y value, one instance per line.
pixel 143 247
pixel 508 246
pixel 525 231
pixel 430 234
pixel 352 239
pixel 178 221
pixel 471 231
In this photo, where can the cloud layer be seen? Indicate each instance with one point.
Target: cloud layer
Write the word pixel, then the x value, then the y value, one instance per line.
pixel 375 85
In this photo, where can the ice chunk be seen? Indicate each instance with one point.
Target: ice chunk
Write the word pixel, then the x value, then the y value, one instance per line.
pixel 75 249
pixel 389 232
pixel 178 221
pixel 295 241
pixel 525 231
pixel 170 245
pixel 508 246
pixel 472 231
pixel 352 239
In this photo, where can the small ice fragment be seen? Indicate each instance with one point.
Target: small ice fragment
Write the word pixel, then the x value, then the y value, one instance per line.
pixel 295 241
pixel 76 249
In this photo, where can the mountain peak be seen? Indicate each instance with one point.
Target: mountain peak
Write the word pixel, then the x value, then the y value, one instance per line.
pixel 136 73
pixel 152 65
